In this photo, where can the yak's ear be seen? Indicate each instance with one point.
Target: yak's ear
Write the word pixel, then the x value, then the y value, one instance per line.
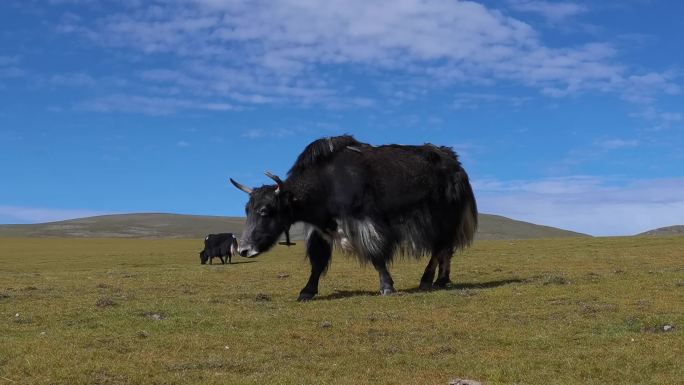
pixel 241 186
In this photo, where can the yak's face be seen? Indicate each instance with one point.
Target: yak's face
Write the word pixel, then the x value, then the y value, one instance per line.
pixel 266 220
pixel 203 257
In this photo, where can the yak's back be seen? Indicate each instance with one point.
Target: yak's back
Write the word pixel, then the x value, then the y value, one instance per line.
pixel 321 150
pixel 407 174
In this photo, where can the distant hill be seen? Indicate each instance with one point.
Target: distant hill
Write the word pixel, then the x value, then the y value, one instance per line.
pixel 498 227
pixel 668 231
pixel 129 226
pixel 197 226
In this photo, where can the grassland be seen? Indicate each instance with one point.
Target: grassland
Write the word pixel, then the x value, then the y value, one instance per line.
pixel 134 311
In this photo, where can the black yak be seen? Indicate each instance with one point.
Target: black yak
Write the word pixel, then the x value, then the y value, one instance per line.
pixel 373 201
pixel 223 245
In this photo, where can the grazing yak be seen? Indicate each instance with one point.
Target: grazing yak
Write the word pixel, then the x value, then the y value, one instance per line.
pixel 372 201
pixel 218 245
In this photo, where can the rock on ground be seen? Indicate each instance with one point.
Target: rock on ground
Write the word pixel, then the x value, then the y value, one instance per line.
pixel 459 381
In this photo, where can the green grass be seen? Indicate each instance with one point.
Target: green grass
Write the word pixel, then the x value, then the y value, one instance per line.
pixel 131 311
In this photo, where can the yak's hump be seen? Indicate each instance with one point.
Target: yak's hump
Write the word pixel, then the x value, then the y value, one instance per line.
pixel 320 150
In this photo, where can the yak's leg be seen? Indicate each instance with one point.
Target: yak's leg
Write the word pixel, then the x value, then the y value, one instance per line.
pixel 444 258
pixel 319 252
pixel 429 274
pixel 386 282
pixel 211 260
pixel 223 261
pixel 229 257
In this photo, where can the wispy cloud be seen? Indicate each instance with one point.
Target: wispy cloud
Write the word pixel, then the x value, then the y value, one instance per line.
pixel 593 205
pixel 659 119
pixel 617 143
pixel 20 214
pixel 554 11
pixel 258 133
pixel 471 100
pixel 79 79
pixel 151 105
pixel 9 60
pixel 9 67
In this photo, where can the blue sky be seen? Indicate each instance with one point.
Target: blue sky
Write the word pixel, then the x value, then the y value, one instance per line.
pixel 568 114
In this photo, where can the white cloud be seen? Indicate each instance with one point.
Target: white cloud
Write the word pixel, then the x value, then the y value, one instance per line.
pixel 281 51
pixel 20 214
pixel 587 204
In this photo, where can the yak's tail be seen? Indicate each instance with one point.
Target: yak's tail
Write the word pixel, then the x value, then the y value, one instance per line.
pixel 464 198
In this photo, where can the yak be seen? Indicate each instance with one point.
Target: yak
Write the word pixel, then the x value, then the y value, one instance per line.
pixel 371 201
pixel 222 245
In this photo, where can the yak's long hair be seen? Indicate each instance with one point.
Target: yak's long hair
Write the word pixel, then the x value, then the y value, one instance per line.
pixel 410 200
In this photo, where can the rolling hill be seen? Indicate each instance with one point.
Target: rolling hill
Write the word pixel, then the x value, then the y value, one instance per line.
pixel 668 231
pixel 197 226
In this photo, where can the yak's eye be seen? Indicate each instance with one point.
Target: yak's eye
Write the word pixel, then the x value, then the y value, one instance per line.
pixel 264 211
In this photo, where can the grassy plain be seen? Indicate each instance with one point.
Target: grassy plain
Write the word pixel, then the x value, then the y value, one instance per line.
pixel 136 311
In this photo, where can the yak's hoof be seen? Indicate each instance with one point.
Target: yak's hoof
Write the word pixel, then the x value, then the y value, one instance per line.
pixel 442 284
pixel 304 297
pixel 386 291
pixel 425 285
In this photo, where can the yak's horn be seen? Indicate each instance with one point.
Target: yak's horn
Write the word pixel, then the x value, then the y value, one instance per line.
pixel 241 186
pixel 277 179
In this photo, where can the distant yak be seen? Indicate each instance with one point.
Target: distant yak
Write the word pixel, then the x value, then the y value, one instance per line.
pixel 372 201
pixel 223 245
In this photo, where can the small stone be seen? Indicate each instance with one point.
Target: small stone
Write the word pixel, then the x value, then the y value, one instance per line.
pixel 105 302
pixel 283 275
pixel 43 333
pixel 668 328
pixel 156 316
pixel 326 324
pixel 227 347
pixel 459 381
pixel 263 297
pixel 17 315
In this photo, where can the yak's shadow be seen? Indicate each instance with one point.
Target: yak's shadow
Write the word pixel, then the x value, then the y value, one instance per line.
pixel 338 294
pixel 468 286
pixel 454 287
pixel 241 262
pixel 232 263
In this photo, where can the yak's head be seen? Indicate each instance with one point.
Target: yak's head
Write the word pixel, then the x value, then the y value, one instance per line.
pixel 203 257
pixel 269 212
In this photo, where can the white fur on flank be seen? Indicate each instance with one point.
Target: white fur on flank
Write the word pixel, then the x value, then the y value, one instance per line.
pixel 353 236
pixel 367 236
pixel 233 246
